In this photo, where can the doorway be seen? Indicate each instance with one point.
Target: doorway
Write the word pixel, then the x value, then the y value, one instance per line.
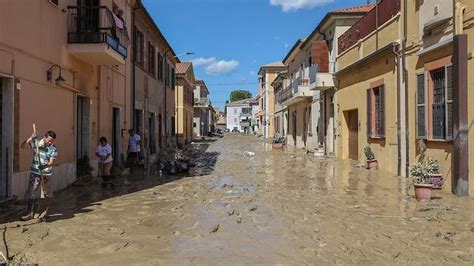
pixel 160 131
pixel 116 138
pixel 82 127
pixel 82 136
pixel 352 118
pixel 293 127
pixel 151 133
pixel 6 135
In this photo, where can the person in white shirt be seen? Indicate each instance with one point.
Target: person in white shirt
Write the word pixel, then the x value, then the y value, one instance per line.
pixel 134 146
pixel 104 152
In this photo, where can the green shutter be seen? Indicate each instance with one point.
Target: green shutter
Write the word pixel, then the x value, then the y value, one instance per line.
pixel 369 113
pixel 421 132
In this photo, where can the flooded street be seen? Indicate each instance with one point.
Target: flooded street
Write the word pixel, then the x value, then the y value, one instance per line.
pixel 245 203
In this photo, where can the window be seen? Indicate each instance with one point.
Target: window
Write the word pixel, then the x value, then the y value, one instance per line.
pixel 235 119
pixel 151 58
pixel 235 111
pixel 167 71
pixel 376 112
pixel 138 47
pixel 160 67
pixel 173 78
pixel 434 101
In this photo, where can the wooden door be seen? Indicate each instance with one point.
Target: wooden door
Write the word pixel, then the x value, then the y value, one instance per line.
pixel 353 135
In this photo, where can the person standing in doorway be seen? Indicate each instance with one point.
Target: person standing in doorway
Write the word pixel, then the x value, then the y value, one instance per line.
pixel 104 152
pixel 134 147
pixel 44 155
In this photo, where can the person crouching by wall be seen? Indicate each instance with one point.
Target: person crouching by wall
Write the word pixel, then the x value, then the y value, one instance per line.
pixel 104 152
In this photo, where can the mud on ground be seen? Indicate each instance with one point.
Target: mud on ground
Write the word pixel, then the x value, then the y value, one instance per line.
pixel 245 203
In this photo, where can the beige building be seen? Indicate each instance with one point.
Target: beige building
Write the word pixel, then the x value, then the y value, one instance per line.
pixel 184 102
pixel 402 89
pixel 266 97
pixel 64 66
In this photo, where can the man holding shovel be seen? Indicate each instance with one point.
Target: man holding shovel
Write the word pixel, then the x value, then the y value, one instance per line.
pixel 44 154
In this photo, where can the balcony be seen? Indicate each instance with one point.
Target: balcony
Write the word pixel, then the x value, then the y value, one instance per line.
pixel 383 12
pixel 201 102
pixel 297 91
pixel 314 80
pixel 96 35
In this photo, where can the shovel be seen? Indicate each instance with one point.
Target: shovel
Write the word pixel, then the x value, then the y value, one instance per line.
pixel 41 212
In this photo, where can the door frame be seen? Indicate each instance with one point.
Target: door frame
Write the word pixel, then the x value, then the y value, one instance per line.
pixel 347 115
pixel 6 164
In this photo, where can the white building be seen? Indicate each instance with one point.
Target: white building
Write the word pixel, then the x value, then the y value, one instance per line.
pixel 241 115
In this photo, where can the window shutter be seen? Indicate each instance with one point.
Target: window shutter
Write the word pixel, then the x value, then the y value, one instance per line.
pixel 449 103
pixel 382 111
pixel 420 107
pixel 369 113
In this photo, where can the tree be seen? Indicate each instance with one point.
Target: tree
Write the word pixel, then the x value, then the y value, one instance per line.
pixel 238 95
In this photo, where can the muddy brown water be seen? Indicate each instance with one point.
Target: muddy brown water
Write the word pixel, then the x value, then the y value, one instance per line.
pixel 276 207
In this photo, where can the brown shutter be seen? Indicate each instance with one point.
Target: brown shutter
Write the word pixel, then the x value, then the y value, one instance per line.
pixel 381 132
pixel 420 107
pixel 449 103
pixel 369 113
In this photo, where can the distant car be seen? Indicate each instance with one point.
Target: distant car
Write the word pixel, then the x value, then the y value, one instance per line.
pixel 227 130
pixel 235 130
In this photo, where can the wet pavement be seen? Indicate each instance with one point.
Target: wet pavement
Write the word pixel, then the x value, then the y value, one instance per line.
pixel 245 203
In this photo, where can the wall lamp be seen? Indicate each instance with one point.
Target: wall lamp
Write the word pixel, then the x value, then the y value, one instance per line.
pixel 49 75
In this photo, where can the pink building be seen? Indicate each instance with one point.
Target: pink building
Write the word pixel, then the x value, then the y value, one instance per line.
pixel 68 66
pixel 154 78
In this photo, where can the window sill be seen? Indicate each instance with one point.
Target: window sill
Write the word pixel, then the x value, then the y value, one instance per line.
pixel 437 140
pixel 377 138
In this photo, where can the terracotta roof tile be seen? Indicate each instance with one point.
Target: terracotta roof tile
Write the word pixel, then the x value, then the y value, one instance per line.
pixel 352 9
pixel 181 68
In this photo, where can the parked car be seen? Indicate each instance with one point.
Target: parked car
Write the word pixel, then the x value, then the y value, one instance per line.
pixel 235 130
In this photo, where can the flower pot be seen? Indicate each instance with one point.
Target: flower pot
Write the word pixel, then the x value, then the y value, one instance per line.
pixel 437 181
pixel 423 192
pixel 372 164
pixel 277 145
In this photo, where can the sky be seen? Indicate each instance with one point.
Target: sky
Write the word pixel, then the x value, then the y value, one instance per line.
pixel 231 39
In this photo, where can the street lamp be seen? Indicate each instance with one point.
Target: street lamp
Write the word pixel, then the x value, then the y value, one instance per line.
pixel 49 75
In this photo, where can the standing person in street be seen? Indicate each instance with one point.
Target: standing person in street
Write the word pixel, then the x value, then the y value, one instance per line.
pixel 44 155
pixel 104 152
pixel 134 147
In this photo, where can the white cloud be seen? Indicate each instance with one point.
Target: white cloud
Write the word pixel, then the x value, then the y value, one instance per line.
pixel 201 62
pixel 222 67
pixel 294 5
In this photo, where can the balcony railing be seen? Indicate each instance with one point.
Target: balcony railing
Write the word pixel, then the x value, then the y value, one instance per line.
pixel 97 24
pixel 380 14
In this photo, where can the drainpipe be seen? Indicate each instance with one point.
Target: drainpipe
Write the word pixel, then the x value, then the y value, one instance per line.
pixel 134 122
pixel 406 161
pixel 460 105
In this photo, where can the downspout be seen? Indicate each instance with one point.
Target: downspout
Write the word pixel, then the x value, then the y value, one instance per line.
pixel 134 58
pixel 405 81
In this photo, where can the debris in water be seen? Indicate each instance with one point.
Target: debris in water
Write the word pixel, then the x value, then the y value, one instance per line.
pixel 448 236
pixel 253 208
pixel 231 213
pixel 472 227
pixel 215 229
pixel 249 153
pixel 239 221
pixel 433 208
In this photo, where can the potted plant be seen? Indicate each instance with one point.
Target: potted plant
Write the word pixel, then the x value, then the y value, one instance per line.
pixel 435 178
pixel 421 182
pixel 278 142
pixel 372 163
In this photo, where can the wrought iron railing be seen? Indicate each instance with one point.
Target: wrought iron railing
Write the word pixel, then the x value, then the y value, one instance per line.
pixel 97 24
